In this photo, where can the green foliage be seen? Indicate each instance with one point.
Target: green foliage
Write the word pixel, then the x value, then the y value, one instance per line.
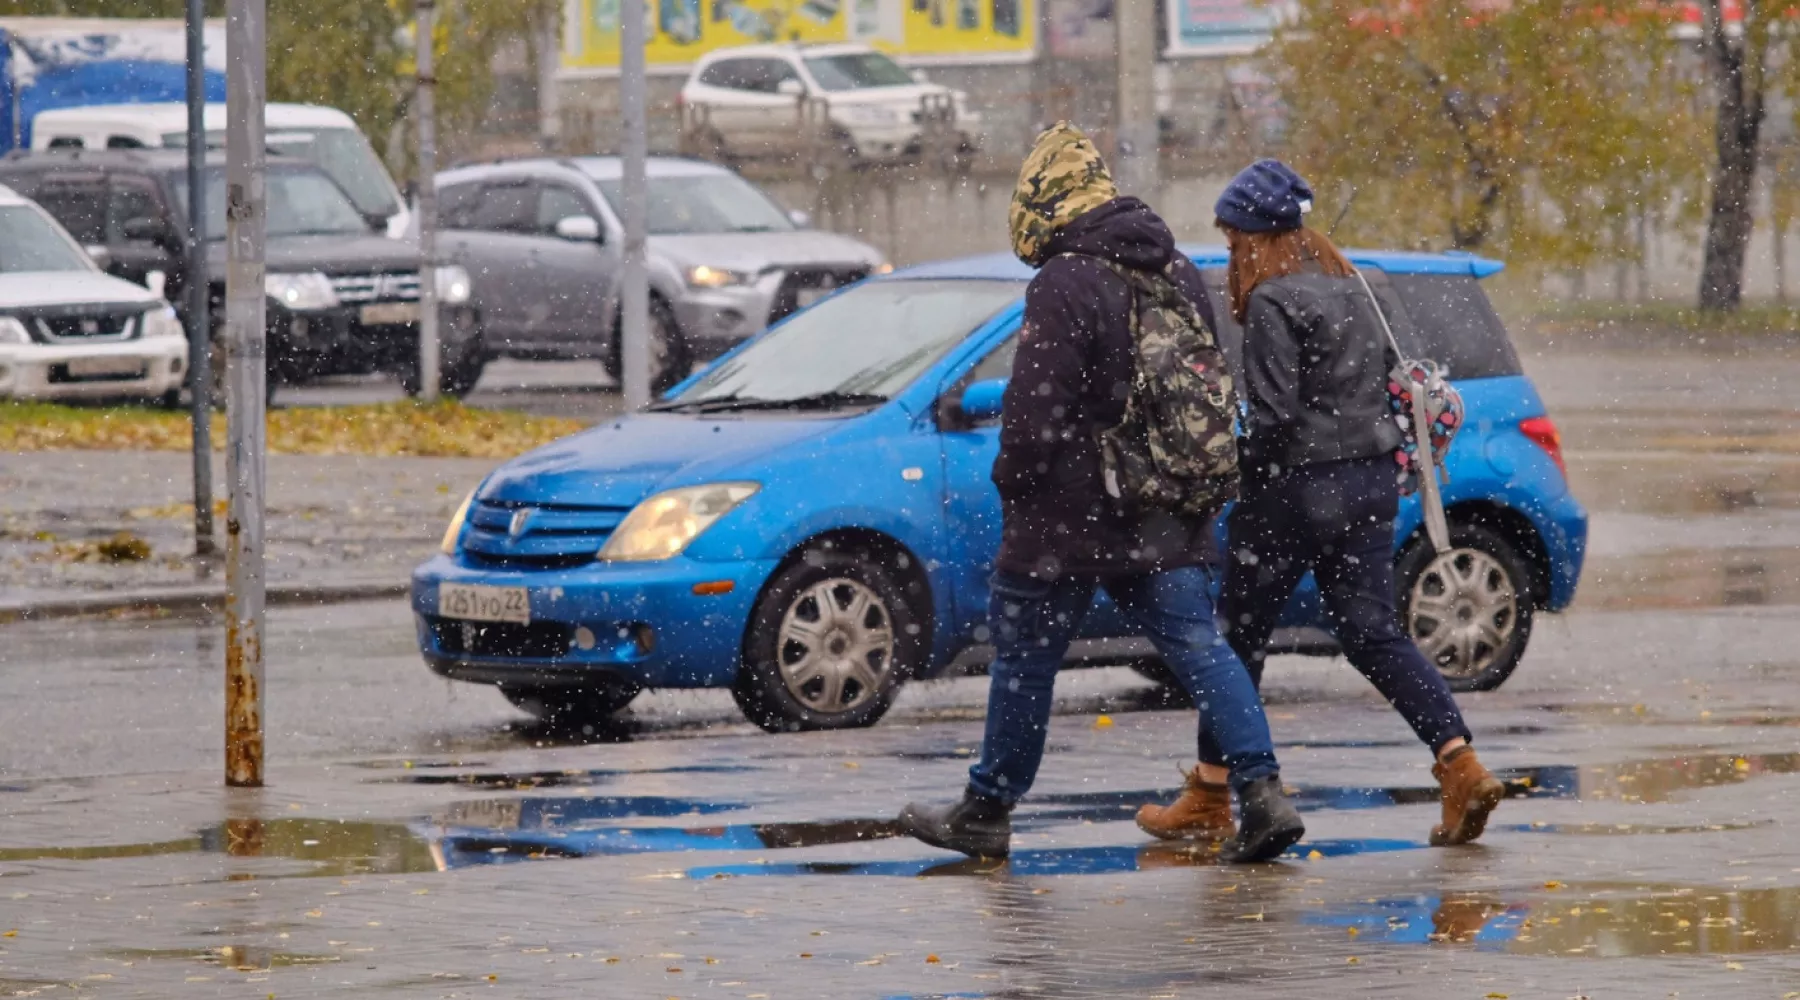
pixel 1535 129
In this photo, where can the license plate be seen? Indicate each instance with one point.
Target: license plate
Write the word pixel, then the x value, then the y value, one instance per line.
pixel 476 603
pixel 106 368
pixel 804 297
pixel 390 313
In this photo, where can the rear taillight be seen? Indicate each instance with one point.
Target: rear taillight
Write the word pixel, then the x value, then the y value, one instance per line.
pixel 1543 433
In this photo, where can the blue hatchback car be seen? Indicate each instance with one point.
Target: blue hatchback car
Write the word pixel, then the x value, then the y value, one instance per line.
pixel 809 521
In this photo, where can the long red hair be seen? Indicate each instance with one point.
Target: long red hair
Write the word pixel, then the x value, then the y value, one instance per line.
pixel 1257 257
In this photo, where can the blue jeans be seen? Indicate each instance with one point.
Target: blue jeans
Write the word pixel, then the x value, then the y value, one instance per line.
pixel 1032 623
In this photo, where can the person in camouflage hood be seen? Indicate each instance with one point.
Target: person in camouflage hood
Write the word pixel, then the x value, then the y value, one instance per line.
pixel 1064 536
pixel 1063 179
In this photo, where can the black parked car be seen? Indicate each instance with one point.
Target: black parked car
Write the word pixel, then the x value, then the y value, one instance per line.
pixel 343 298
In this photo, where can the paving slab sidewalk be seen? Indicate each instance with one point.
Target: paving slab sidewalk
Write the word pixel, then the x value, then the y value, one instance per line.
pixel 338 526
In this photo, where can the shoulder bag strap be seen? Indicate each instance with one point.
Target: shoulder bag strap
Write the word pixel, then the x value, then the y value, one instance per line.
pixel 1437 525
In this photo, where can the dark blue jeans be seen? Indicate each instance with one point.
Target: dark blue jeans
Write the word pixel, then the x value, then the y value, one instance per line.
pixel 1336 519
pixel 1032 623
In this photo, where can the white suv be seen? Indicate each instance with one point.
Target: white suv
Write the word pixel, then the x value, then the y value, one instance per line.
pixel 69 330
pixel 748 100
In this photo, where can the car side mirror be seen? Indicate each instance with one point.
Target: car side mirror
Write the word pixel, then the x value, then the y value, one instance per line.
pixel 791 87
pixel 579 229
pixel 145 229
pixel 101 256
pixel 918 76
pixel 801 220
pixel 981 401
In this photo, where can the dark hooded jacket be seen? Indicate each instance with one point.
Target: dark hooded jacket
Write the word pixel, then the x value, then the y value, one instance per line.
pixel 1070 379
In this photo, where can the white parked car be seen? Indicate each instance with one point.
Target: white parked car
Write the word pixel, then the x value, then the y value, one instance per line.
pixel 748 100
pixel 70 330
pixel 325 136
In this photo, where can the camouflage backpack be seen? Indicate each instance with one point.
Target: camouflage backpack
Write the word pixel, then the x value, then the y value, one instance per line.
pixel 1176 448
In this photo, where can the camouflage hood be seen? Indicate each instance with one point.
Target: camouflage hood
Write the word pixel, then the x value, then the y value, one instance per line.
pixel 1063 178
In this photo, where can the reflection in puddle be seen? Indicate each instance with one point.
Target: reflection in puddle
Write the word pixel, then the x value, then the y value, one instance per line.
pixel 461 847
pixel 1071 861
pixel 236 957
pixel 1626 829
pixel 573 778
pixel 1598 920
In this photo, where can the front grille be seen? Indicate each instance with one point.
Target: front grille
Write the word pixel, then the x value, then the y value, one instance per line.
pixel 507 640
pixel 812 279
pixel 401 287
pixel 515 535
pixel 87 327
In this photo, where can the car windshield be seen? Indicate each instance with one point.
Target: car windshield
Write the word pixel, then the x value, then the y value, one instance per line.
pixel 706 203
pixel 343 153
pixel 29 241
pixel 856 70
pixel 302 202
pixel 858 347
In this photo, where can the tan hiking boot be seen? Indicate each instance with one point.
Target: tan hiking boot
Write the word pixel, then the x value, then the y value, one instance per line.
pixel 1470 792
pixel 1203 812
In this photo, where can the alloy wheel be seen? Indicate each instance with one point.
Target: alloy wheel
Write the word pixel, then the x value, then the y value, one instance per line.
pixel 1463 612
pixel 835 645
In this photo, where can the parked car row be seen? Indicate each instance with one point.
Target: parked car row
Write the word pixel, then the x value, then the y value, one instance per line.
pixel 532 252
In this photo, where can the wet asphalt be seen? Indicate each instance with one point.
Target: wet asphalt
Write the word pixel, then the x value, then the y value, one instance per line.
pixel 420 837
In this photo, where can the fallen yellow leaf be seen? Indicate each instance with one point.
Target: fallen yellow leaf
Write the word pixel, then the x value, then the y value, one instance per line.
pixel 932 960
pixel 1103 722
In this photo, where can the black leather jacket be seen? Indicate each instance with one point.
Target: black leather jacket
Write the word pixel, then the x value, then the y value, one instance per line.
pixel 1315 375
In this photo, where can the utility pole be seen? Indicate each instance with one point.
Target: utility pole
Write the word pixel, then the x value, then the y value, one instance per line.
pixel 1138 167
pixel 425 105
pixel 198 289
pixel 546 30
pixel 634 326
pixel 246 364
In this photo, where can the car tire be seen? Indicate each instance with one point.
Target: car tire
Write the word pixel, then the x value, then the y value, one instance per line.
pixel 454 380
pixel 573 707
pixel 669 355
pixel 830 641
pixel 1470 609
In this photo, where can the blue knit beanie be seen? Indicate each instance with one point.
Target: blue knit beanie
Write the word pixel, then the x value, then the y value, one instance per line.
pixel 1267 196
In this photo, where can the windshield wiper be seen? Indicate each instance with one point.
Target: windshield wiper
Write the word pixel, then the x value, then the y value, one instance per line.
pixel 831 400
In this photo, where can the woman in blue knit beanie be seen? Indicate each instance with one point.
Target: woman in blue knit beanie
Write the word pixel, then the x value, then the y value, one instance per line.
pixel 1319 491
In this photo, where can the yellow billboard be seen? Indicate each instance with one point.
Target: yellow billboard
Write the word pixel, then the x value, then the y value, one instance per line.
pixel 680 31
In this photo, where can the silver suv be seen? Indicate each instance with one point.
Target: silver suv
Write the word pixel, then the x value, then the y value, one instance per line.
pixel 541 240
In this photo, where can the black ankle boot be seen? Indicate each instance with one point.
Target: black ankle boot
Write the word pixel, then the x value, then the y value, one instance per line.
pixel 1267 823
pixel 977 826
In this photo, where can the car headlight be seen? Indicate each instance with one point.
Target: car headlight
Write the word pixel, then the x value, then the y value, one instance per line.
pixel 453 287
pixel 717 277
pixel 13 331
pixel 310 290
pixel 882 268
pixel 454 533
pixel 162 322
pixel 665 524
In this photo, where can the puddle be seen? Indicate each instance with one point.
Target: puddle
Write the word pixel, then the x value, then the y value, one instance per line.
pixel 1625 829
pixel 461 848
pixel 1072 861
pixel 1662 779
pixel 238 958
pixel 575 778
pixel 1599 920
pixel 100 852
